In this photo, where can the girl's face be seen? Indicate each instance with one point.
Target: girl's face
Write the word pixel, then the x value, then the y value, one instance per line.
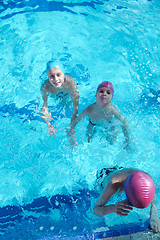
pixel 104 96
pixel 56 77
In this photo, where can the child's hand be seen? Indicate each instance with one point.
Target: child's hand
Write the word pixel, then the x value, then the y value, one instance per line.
pixel 52 131
pixel 46 114
pixel 123 208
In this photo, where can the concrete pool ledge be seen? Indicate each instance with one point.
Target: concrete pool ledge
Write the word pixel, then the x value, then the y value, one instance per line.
pixel 147 235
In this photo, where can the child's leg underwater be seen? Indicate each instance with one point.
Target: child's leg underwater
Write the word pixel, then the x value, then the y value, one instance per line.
pixel 91 130
pixel 112 135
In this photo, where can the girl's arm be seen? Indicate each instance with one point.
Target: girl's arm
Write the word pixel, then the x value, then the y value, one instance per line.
pixel 72 88
pixel 99 207
pixel 75 98
pixel 71 132
pixel 125 126
pixel 45 114
pixel 121 208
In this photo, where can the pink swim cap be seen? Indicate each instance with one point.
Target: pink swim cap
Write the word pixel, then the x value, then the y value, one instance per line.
pixel 106 84
pixel 139 188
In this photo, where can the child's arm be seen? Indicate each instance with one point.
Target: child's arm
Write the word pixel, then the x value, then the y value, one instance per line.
pixel 75 97
pixel 154 219
pixel 99 207
pixel 73 124
pixel 72 88
pixel 45 114
pixel 121 208
pixel 125 127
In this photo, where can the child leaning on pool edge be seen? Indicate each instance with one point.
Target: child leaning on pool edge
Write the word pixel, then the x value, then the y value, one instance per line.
pixel 57 84
pixel 102 113
pixel 137 185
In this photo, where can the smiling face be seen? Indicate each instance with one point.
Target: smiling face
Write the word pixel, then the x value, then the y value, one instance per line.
pixel 56 77
pixel 104 96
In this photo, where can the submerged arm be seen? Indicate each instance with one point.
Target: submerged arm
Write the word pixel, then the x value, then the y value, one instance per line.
pixel 125 127
pixel 75 105
pixel 74 96
pixel 73 124
pixel 45 114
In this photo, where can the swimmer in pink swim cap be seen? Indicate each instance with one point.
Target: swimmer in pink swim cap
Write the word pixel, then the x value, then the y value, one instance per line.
pixel 138 186
pixel 62 86
pixel 103 114
pixel 106 84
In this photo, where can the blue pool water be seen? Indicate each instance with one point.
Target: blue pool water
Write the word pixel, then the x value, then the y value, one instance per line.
pixel 46 187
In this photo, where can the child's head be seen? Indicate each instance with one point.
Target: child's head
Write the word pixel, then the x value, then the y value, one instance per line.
pixel 139 188
pixel 55 73
pixel 104 93
pixel 106 84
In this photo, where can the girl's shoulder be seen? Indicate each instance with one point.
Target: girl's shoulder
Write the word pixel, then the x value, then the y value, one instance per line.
pixel 68 78
pixel 91 107
pixel 46 85
pixel 113 109
pixel 69 82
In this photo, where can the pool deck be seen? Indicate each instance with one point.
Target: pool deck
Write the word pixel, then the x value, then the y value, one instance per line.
pixel 140 235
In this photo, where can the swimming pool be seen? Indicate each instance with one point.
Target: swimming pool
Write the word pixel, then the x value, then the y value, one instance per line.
pixel 45 186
